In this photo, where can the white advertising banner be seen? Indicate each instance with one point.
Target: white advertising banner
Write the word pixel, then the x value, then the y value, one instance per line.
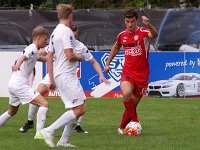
pixel 7 60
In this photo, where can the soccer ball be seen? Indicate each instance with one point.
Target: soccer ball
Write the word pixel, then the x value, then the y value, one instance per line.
pixel 133 128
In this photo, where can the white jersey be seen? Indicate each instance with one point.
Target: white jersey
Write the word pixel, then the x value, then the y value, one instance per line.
pixel 27 66
pixel 18 86
pixel 83 50
pixel 62 38
pixel 80 49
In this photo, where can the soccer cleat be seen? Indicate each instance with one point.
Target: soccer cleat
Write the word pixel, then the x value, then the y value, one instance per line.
pixel 27 126
pixel 78 129
pixel 64 145
pixel 48 138
pixel 39 137
pixel 120 131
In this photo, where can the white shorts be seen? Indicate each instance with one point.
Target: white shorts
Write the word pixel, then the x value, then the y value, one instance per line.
pixel 46 80
pixel 21 92
pixel 70 90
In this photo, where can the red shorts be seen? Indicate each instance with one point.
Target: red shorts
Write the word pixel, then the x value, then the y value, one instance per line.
pixel 139 90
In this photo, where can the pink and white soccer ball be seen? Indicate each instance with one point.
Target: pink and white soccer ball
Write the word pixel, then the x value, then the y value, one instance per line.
pixel 133 128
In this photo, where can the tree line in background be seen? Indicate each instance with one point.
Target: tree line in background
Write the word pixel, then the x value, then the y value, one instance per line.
pixel 84 4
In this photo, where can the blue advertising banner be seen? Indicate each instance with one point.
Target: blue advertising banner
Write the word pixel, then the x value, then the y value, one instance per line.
pixel 163 65
pixel 173 74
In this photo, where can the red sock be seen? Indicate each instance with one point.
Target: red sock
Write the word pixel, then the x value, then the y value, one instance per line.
pixel 132 111
pixel 129 114
pixel 125 119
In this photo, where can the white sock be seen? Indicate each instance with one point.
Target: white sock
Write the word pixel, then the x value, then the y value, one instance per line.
pixel 66 118
pixel 4 117
pixel 80 120
pixel 69 128
pixel 41 118
pixel 32 111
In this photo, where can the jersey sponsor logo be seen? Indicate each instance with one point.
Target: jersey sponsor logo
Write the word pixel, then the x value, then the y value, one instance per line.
pixel 135 51
pixel 115 66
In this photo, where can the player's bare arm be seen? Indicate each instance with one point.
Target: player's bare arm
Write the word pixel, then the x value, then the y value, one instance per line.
pixel 50 70
pixel 113 53
pixel 42 59
pixel 71 56
pixel 19 62
pixel 153 32
pixel 97 67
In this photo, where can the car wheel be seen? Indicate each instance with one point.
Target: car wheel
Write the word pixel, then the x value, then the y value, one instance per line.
pixel 180 90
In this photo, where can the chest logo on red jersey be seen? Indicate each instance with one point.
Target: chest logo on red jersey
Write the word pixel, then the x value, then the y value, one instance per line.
pixel 133 49
pixel 136 37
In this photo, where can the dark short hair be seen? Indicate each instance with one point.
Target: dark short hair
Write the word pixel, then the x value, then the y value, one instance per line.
pixel 73 27
pixel 130 13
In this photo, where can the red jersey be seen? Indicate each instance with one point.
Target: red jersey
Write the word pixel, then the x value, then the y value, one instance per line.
pixel 136 48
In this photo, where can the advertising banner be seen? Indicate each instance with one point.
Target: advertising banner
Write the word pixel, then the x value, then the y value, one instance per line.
pixel 89 78
pixel 173 74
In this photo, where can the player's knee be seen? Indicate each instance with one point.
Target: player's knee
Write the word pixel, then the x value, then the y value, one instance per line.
pixel 79 112
pixel 45 104
pixel 12 112
pixel 127 95
pixel 83 112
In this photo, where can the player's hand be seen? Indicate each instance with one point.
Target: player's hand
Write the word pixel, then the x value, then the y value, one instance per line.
pixel 103 79
pixel 15 68
pixel 107 68
pixel 145 20
pixel 52 85
pixel 80 57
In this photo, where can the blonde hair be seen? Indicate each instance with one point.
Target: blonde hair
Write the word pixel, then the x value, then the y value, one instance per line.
pixel 64 10
pixel 39 31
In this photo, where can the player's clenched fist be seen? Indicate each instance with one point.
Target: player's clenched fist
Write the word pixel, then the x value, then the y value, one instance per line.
pixel 145 20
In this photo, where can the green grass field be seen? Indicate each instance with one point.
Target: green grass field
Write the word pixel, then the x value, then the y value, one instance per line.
pixel 168 124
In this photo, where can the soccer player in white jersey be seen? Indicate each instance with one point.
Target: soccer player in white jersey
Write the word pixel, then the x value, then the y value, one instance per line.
pixel 19 88
pixel 63 76
pixel 42 89
pixel 44 84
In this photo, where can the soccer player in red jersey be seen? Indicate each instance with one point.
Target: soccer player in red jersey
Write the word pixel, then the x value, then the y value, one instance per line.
pixel 135 73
